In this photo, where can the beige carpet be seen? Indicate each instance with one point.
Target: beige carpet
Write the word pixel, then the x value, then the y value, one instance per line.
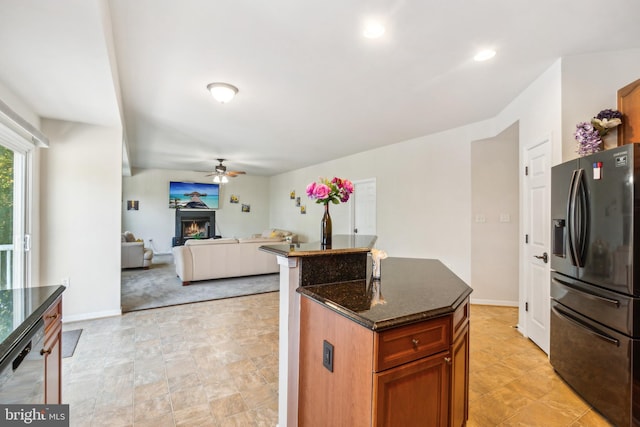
pixel 160 287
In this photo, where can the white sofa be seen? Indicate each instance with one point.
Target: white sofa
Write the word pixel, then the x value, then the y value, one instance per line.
pixel 219 258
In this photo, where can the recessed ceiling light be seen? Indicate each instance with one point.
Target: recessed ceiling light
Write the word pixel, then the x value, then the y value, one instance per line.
pixel 483 55
pixel 373 30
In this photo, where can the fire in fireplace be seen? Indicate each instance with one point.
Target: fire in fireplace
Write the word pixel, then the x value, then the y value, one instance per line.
pixel 194 224
pixel 195 228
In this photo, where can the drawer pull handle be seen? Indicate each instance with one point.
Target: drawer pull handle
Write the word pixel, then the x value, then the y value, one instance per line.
pixel 415 343
pixel 52 316
pixel 448 360
pixel 43 352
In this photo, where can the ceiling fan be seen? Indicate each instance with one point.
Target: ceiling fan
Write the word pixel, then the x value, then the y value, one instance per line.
pixel 220 173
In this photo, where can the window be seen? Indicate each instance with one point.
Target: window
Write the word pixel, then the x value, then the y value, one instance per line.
pixel 14 155
pixel 6 217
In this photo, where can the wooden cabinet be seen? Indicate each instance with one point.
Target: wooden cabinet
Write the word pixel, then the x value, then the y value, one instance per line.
pixel 459 410
pixel 341 397
pixel 52 352
pixel 413 394
pixel 459 403
pixel 412 375
pixel 629 106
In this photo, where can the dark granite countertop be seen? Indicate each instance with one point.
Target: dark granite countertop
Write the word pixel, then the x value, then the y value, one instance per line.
pixel 341 244
pixel 20 310
pixel 410 290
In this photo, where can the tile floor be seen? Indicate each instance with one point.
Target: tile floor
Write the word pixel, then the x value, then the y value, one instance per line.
pixel 511 382
pixel 215 364
pixel 205 364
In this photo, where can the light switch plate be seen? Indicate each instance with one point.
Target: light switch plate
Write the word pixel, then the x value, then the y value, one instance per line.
pixel 327 355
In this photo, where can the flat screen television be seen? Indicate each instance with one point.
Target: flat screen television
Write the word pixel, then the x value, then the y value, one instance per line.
pixel 193 195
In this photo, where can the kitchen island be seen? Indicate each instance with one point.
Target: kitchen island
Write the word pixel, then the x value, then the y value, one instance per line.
pixel 387 331
pixel 30 319
pixel 386 352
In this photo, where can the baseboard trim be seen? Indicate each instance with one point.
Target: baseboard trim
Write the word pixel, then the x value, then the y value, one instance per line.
pixel 91 316
pixel 494 302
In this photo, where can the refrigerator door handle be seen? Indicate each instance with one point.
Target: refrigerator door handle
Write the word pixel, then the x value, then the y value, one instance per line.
pixel 583 221
pixel 577 218
pixel 571 218
pixel 587 328
pixel 589 295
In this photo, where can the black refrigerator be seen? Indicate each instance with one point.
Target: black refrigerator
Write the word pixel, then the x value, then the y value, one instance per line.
pixel 595 293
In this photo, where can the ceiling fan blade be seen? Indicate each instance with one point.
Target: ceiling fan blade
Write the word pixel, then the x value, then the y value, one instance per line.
pixel 235 173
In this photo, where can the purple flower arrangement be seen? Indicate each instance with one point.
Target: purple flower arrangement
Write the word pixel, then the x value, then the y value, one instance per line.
pixel 335 191
pixel 589 135
pixel 588 138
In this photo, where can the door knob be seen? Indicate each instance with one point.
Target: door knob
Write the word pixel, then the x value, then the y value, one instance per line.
pixel 544 257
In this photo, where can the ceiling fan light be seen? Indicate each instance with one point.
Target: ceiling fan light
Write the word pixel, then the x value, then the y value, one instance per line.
pixel 224 179
pixel 216 179
pixel 222 92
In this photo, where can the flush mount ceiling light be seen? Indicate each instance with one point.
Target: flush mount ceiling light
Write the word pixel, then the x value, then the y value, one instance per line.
pixel 483 55
pixel 373 29
pixel 222 92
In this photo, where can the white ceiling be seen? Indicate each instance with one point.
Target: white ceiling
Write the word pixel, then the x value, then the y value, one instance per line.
pixel 311 87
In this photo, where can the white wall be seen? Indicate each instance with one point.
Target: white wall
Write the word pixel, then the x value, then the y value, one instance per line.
pixel 495 219
pixel 537 110
pixel 590 84
pixel 423 196
pixel 80 196
pixel 154 220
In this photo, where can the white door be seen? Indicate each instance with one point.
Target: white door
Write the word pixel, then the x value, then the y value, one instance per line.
pixel 363 211
pixel 536 220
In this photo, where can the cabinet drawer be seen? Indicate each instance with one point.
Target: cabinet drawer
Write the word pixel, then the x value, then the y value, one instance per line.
pixel 407 343
pixel 53 315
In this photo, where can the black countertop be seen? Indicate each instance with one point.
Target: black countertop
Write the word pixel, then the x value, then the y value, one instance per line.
pixel 341 244
pixel 20 310
pixel 410 290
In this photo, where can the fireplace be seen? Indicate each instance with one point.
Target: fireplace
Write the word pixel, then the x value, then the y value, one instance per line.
pixel 194 224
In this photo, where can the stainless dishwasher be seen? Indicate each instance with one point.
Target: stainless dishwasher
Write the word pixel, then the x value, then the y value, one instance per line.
pixel 22 371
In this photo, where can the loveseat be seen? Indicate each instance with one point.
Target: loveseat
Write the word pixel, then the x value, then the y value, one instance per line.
pixel 219 258
pixel 133 254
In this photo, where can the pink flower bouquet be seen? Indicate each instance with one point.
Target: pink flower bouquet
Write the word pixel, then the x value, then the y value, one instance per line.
pixel 335 191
